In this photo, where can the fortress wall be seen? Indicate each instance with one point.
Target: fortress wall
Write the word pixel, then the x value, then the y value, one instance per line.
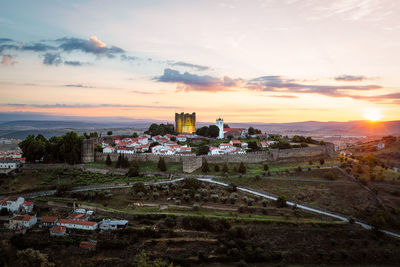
pixel 87 150
pixel 191 162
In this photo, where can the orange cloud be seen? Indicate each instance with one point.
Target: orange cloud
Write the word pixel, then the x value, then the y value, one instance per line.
pixel 97 42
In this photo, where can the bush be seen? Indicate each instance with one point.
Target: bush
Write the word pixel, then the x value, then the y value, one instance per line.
pixel 133 171
pixel 196 206
pixel 264 203
pixel 242 168
pixel 108 160
pixel 321 161
pixel 214 197
pixel 225 168
pixel 161 165
pixel 177 202
pixel 197 197
pixel 281 202
pixel 216 168
pixel 266 167
pixel 156 195
pixel 329 176
pixel 205 168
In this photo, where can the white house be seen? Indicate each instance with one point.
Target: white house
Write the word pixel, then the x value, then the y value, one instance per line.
pixel 75 224
pixel 27 206
pixel 215 151
pixel 12 204
pixel 380 146
pixel 49 221
pixel 108 224
pixel 22 221
pixel 181 138
pixel 58 230
pixel 10 164
pixel 108 149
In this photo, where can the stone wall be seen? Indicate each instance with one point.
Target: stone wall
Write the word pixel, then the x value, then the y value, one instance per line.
pixel 192 162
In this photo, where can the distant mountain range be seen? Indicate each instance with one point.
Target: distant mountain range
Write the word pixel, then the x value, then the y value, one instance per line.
pixel 19 129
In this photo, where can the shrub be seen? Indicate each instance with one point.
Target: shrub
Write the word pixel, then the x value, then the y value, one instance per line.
pixel 233 198
pixel 281 202
pixel 264 202
pixel 214 197
pixel 196 206
pixel 321 161
pixel 266 167
pixel 250 201
pixel 161 165
pixel 177 202
pixel 258 177
pixel 197 197
pixel 140 195
pixel 225 168
pixel 241 209
pixel 156 195
pixel 216 168
pixel 224 199
pixel 329 176
pixel 108 160
pixel 133 171
pixel 242 168
pixel 186 198
pixel 205 168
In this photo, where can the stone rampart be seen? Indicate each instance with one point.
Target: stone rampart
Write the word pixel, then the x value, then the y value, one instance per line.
pixel 192 162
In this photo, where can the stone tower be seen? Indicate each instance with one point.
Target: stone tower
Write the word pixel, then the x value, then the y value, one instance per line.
pixel 220 125
pixel 185 122
pixel 87 150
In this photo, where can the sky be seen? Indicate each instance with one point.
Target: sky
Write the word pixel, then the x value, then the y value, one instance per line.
pixel 242 60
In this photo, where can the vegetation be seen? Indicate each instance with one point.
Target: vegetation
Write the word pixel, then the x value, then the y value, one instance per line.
pixel 160 129
pixel 162 166
pixel 210 131
pixel 65 148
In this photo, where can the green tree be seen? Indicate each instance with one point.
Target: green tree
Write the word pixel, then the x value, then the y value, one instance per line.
pixel 204 167
pixel 108 160
pixel 109 132
pixel 161 165
pixel 135 135
pixel 216 168
pixel 213 131
pixel 242 168
pixel 266 167
pixel 225 168
pixel 281 202
pixel 203 150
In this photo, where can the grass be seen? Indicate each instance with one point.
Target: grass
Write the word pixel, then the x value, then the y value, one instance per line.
pixel 258 168
pixel 143 166
pixel 236 217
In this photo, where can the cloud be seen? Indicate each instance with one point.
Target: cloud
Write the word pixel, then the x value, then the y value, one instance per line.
pixel 37 47
pixel 93 46
pixel 77 85
pixel 8 47
pixel 8 60
pixel 283 85
pixel 73 63
pixel 193 82
pixel 5 40
pixel 52 59
pixel 128 58
pixel 351 78
pixel 88 106
pixel 142 92
pixel 283 96
pixel 189 65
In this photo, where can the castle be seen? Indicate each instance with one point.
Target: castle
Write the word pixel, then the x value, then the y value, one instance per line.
pixel 185 122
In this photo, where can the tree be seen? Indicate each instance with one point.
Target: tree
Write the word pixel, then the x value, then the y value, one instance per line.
pixel 133 171
pixel 161 165
pixel 226 125
pixel 213 131
pixel 242 168
pixel 266 167
pixel 108 160
pixel 225 168
pixel 251 131
pixel 281 202
pixel 135 135
pixel 203 150
pixel 31 257
pixel 216 168
pixel 230 137
pixel 109 132
pixel 253 146
pixel 204 167
pixel 173 138
pixel 321 161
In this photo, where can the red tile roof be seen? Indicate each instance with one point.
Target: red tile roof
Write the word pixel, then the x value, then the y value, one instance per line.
pixel 58 229
pixel 49 219
pixel 234 130
pixel 28 203
pixel 88 244
pixel 67 221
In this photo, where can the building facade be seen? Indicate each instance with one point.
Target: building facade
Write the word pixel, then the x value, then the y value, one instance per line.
pixel 185 122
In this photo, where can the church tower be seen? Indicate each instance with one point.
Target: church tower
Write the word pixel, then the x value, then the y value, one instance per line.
pixel 220 125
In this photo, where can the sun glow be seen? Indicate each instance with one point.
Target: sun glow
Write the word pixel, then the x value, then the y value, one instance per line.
pixel 372 114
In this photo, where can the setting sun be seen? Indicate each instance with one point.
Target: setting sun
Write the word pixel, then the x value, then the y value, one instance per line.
pixel 372 114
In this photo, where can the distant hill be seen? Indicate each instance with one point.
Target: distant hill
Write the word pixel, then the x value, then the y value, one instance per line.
pixel 22 128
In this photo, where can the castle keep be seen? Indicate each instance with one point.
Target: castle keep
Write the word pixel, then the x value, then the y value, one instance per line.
pixel 185 122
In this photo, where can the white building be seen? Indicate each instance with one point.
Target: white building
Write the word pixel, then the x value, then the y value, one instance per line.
pixel 12 204
pixel 380 146
pixel 220 125
pixel 75 224
pixel 22 221
pixel 10 164
pixel 108 224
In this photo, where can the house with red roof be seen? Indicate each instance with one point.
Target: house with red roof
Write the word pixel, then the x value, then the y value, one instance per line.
pixel 58 230
pixel 49 221
pixel 22 221
pixel 75 224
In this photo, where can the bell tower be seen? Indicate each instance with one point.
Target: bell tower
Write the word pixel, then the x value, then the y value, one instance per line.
pixel 220 125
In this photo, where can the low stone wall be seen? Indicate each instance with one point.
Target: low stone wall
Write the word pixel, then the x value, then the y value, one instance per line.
pixel 191 162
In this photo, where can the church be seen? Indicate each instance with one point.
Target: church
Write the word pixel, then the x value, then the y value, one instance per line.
pixel 224 133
